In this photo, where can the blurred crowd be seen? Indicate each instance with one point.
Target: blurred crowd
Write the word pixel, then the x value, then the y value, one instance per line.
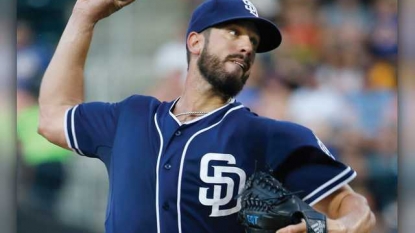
pixel 335 72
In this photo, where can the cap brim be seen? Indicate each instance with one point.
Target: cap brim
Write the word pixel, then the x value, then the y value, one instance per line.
pixel 269 33
pixel 270 36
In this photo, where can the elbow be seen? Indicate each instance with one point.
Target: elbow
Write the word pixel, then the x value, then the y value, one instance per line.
pixel 46 126
pixel 51 125
pixel 42 127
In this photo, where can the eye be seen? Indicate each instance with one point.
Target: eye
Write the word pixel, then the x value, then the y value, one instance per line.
pixel 254 41
pixel 233 32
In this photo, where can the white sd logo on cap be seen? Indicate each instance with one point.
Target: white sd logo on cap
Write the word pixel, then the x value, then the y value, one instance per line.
pixel 250 7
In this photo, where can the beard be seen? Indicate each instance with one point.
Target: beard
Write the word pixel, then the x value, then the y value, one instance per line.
pixel 225 84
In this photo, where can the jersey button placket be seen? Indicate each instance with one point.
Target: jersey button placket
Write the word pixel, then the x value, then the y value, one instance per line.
pixel 178 133
pixel 166 206
pixel 167 166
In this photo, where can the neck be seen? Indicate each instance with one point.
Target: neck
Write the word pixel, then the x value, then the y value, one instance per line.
pixel 198 95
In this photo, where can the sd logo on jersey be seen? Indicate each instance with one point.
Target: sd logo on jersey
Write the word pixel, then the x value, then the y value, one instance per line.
pixel 219 180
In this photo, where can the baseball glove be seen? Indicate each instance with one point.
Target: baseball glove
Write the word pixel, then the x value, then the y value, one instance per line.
pixel 267 206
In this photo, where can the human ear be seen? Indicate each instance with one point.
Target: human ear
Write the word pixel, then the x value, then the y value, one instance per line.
pixel 195 43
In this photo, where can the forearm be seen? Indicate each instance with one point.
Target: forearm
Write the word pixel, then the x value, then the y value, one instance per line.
pixel 63 82
pixel 63 85
pixel 356 214
pixel 351 213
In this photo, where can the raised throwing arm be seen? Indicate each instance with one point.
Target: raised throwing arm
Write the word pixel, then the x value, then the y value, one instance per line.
pixel 63 83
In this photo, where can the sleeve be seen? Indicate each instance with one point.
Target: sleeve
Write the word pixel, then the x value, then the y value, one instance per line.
pixel 308 166
pixel 89 126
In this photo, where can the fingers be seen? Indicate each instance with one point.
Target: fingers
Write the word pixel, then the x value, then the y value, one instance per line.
pixel 297 228
pixel 123 3
pixel 96 10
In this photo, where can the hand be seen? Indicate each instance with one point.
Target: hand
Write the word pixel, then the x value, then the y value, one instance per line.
pixel 95 10
pixel 333 226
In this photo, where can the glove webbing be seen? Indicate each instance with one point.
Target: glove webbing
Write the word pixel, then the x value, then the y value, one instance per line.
pixel 262 194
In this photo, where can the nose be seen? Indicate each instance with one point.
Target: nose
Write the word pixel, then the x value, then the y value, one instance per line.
pixel 245 45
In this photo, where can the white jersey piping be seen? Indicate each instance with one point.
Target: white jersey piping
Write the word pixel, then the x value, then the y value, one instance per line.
pixel 331 181
pixel 182 162
pixel 75 146
pixel 157 174
pixel 66 129
pixel 333 189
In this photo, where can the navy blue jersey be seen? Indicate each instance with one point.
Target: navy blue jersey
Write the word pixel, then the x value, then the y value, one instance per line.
pixel 169 177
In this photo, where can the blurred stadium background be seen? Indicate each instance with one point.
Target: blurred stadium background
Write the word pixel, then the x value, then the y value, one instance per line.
pixel 335 72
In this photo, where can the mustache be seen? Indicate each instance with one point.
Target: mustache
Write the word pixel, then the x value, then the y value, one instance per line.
pixel 246 59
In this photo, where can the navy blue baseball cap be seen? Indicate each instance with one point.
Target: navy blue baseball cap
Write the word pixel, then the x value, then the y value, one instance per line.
pixel 214 12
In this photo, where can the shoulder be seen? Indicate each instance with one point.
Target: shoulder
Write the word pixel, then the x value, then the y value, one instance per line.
pixel 275 128
pixel 140 99
pixel 138 103
pixel 281 135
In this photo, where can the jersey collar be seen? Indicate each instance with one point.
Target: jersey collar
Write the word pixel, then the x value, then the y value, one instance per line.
pixel 231 101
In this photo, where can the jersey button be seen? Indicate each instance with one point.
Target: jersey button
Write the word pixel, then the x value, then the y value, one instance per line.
pixel 167 166
pixel 178 133
pixel 166 206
